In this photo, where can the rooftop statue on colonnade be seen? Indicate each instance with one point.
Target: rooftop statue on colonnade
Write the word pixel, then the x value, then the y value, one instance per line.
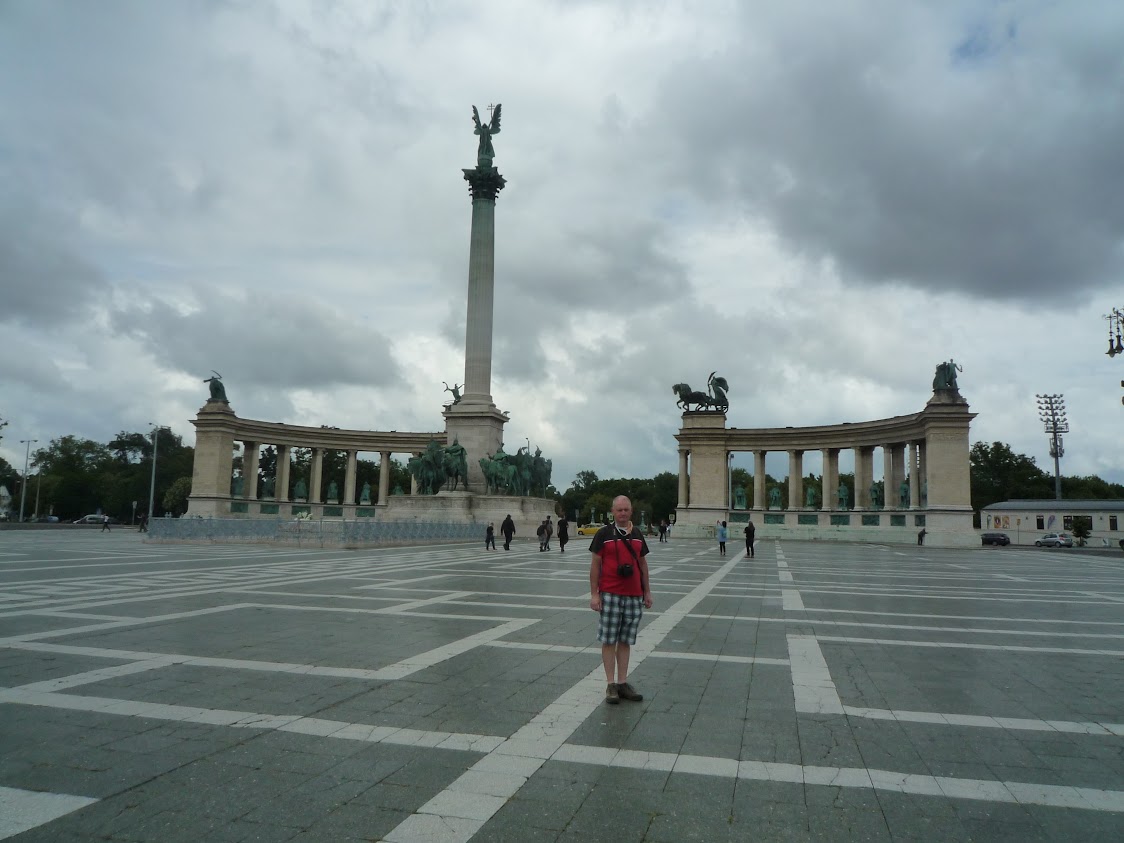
pixel 456 390
pixel 945 377
pixel 713 400
pixel 218 391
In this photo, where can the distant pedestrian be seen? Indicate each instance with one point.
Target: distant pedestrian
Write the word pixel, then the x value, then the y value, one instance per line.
pixel 723 534
pixel 105 523
pixel 663 529
pixel 143 528
pixel 541 533
pixel 921 537
pixel 508 530
pixel 490 536
pixel 750 532
pixel 563 533
pixel 549 532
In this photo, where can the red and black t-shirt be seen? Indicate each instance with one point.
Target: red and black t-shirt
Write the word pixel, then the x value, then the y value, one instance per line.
pixel 608 543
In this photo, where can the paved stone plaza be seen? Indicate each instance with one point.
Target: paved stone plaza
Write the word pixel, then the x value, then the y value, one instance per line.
pixel 445 693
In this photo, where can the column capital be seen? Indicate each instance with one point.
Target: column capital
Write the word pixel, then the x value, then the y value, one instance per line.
pixel 484 184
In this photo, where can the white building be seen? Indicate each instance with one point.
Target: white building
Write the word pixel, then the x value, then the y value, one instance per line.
pixel 1026 521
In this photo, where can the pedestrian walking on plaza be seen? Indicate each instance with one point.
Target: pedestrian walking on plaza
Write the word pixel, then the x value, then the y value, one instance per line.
pixel 723 534
pixel 619 591
pixel 921 537
pixel 143 528
pixel 105 524
pixel 541 533
pixel 508 530
pixel 549 532
pixel 663 530
pixel 490 536
pixel 750 532
pixel 563 533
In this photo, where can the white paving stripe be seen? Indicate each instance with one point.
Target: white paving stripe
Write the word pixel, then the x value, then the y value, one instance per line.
pixel 955 645
pixel 1023 793
pixel 23 810
pixel 790 600
pixel 455 814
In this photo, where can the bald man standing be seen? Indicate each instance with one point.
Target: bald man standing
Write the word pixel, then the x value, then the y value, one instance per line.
pixel 619 591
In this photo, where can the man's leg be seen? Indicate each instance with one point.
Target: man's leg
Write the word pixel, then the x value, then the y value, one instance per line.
pixel 624 652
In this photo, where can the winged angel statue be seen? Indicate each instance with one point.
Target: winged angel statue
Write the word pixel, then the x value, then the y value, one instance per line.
pixel 486 153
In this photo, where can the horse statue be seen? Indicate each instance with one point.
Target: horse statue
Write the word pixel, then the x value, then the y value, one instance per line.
pixel 687 397
pixel 455 465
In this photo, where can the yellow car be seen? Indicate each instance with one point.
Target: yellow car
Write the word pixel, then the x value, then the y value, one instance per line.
pixel 588 529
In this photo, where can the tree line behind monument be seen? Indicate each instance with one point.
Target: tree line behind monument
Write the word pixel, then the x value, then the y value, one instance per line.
pixel 76 477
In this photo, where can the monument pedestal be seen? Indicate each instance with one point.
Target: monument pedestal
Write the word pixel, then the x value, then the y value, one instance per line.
pixel 479 428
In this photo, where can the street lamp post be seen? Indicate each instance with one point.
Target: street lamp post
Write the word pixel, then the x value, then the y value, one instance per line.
pixel 23 485
pixel 152 486
pixel 1051 409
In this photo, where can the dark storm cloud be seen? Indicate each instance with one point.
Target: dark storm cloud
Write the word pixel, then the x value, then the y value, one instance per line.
pixel 281 343
pixel 920 151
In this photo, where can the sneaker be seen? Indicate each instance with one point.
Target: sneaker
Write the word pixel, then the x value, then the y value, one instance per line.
pixel 611 695
pixel 627 692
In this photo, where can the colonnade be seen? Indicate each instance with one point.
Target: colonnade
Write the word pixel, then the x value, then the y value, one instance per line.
pixel 927 453
pixel 218 428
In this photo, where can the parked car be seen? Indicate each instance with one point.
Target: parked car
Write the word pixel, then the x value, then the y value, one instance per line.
pixel 588 529
pixel 1055 540
pixel 996 538
pixel 88 519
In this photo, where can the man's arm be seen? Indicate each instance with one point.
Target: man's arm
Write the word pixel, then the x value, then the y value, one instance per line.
pixel 594 583
pixel 645 583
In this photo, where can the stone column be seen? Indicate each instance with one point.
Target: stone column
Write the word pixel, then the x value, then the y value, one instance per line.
pixel 759 501
pixel 914 478
pixel 315 473
pixel 250 459
pixel 683 480
pixel 474 421
pixel 864 476
pixel 897 456
pixel 214 452
pixel 348 498
pixel 887 476
pixel 282 486
pixel 795 479
pixel 484 185
pixel 414 481
pixel 922 475
pixel 384 477
pixel 830 478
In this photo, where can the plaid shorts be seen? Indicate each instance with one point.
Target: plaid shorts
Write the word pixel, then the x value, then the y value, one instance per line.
pixel 620 618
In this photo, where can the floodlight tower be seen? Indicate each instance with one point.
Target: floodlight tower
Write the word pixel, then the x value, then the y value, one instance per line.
pixel 1051 409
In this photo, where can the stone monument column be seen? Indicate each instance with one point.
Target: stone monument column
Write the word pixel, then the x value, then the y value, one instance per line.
pixel 251 454
pixel 315 473
pixel 864 476
pixel 889 494
pixel 914 478
pixel 795 479
pixel 349 495
pixel 474 420
pixel 214 453
pixel 384 478
pixel 759 501
pixel 683 480
pixel 282 487
pixel 830 479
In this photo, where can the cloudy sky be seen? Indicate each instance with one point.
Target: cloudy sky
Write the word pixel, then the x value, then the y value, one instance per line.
pixel 821 201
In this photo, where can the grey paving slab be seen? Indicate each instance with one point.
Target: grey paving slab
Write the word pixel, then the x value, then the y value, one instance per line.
pixel 868 694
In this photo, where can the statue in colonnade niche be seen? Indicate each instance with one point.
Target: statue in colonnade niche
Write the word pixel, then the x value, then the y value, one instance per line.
pixel 300 491
pixel 267 487
pixel 365 495
pixel 875 496
pixel 739 497
pixel 775 497
pixel 903 495
pixel 333 491
pixel 924 493
pixel 844 497
pixel 810 497
pixel 236 486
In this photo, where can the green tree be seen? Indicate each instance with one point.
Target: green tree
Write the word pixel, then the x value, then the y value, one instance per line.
pixel 999 474
pixel 175 499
